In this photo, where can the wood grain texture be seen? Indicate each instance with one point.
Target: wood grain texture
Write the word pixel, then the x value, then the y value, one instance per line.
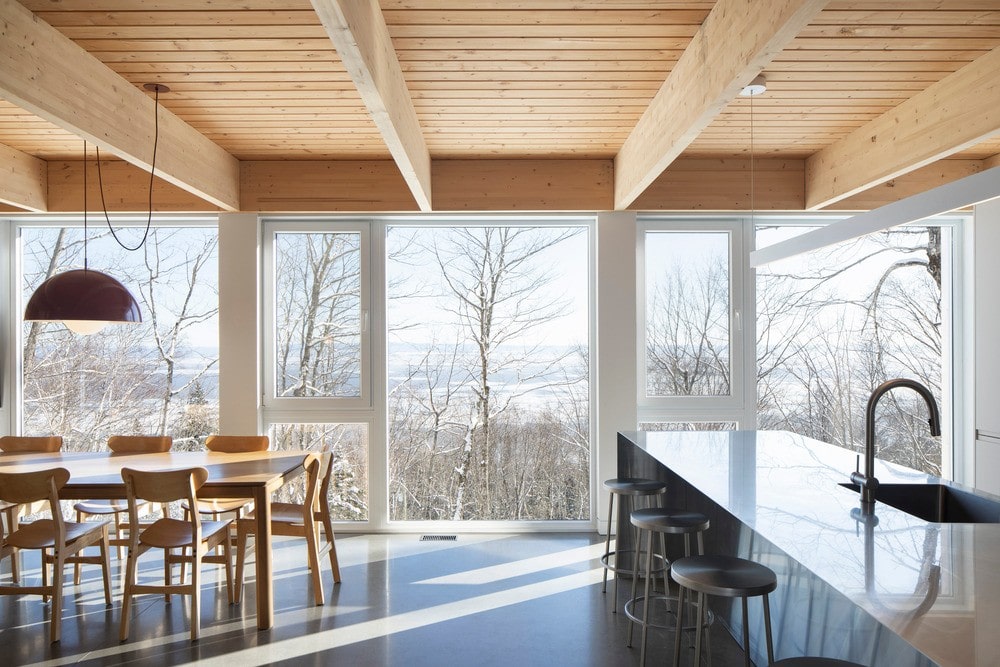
pixel 23 180
pixel 126 189
pixel 317 185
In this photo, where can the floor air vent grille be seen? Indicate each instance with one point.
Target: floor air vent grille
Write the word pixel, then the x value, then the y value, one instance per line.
pixel 438 538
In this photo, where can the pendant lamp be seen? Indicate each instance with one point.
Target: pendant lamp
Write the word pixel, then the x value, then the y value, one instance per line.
pixel 83 299
pixel 756 87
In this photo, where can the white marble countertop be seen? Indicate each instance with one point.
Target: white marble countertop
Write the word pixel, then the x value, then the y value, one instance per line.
pixel 785 488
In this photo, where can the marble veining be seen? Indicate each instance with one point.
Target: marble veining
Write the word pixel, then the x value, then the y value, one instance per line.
pixel 937 586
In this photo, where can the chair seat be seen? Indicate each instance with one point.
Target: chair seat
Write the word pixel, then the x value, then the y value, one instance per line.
pixel 669 520
pixel 102 506
pixel 41 534
pixel 219 505
pixel 175 533
pixel 634 486
pixel 726 576
pixel 290 513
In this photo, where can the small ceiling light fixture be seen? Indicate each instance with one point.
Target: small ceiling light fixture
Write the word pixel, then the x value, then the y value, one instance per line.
pixel 756 87
pixel 86 301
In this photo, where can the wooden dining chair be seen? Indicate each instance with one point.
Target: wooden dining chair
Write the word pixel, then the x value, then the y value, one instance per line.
pixel 216 507
pixel 169 534
pixel 295 520
pixel 19 444
pixel 121 444
pixel 65 540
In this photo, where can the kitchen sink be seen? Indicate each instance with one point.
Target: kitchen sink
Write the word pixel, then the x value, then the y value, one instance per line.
pixel 937 503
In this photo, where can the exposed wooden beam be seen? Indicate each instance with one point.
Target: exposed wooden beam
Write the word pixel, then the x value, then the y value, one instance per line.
pixel 361 37
pixel 320 185
pixel 705 184
pixel 523 185
pixel 48 75
pixel 23 180
pixel 958 111
pixel 991 162
pixel 736 41
pixel 125 189
pixel 907 185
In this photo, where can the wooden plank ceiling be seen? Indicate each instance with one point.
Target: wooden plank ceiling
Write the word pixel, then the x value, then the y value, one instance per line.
pixel 506 79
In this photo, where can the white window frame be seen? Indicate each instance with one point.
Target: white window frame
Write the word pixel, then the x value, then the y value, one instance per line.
pixel 587 221
pixel 738 406
pixel 11 411
pixel 305 408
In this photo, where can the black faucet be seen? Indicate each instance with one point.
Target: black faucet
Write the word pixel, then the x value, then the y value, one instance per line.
pixel 867 482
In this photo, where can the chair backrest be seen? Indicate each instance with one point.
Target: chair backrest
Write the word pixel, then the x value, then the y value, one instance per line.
pixel 28 487
pixel 326 469
pixel 237 443
pixel 314 465
pixel 140 444
pixel 163 486
pixel 23 444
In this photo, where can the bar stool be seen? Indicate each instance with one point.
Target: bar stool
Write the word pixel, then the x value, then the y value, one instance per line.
pixel 725 576
pixel 663 521
pixel 628 488
pixel 814 662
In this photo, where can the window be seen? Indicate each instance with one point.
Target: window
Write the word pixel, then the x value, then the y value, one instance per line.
pixel 835 323
pixel 317 362
pixel 156 377
pixel 488 372
pixel 317 294
pixel 691 365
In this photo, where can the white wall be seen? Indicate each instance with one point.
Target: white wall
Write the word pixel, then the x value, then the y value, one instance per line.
pixel 987 346
pixel 239 317
pixel 616 344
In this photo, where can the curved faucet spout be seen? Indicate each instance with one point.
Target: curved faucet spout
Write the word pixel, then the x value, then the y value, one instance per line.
pixel 867 481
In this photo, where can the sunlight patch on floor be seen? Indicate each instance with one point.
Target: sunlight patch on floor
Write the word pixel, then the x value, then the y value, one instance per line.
pixel 495 573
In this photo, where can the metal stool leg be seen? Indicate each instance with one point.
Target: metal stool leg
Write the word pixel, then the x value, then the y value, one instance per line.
pixel 746 634
pixel 645 602
pixel 767 629
pixel 631 623
pixel 680 625
pixel 607 541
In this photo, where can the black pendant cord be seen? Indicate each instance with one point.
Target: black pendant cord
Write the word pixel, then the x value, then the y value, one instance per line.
pixel 152 172
pixel 753 184
pixel 84 204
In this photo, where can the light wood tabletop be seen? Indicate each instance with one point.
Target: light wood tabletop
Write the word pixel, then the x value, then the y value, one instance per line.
pixel 97 475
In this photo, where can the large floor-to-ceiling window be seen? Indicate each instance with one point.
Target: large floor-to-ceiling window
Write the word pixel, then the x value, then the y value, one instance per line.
pixel 159 376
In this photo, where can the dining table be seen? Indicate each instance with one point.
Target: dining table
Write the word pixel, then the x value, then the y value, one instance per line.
pixel 254 475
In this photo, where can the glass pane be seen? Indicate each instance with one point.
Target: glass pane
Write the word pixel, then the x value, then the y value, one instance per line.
pixel 488 404
pixel 160 376
pixel 348 495
pixel 835 323
pixel 687 314
pixel 317 314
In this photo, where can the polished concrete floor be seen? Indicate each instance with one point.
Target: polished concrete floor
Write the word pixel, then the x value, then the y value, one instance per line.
pixel 482 600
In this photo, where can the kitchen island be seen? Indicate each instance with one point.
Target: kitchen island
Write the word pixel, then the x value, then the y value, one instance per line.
pixel 880 589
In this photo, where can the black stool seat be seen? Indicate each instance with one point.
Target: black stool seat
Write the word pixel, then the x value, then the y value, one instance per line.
pixel 727 576
pixel 814 662
pixel 669 520
pixel 630 486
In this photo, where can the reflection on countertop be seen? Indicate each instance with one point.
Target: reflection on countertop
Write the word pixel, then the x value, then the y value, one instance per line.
pixel 937 586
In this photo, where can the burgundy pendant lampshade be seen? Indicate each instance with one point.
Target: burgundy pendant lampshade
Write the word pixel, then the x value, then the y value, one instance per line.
pixel 85 300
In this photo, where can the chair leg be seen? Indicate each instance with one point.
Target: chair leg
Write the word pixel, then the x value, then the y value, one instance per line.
pixel 11 513
pixel 699 626
pixel 631 623
pixel 130 573
pixel 241 558
pixel 312 551
pixel 118 534
pixel 648 592
pixel 45 577
pixel 196 592
pixel 227 550
pixel 76 566
pixel 767 630
pixel 106 565
pixel 331 539
pixel 746 633
pixel 168 573
pixel 55 621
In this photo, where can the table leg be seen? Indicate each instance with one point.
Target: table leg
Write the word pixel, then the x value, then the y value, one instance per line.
pixel 262 547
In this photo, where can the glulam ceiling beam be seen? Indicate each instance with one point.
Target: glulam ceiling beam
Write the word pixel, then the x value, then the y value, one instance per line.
pixel 361 37
pixel 734 44
pixel 23 180
pixel 949 116
pixel 47 74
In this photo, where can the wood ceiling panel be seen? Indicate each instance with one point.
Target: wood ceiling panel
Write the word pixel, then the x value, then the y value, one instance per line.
pixel 228 60
pixel 504 78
